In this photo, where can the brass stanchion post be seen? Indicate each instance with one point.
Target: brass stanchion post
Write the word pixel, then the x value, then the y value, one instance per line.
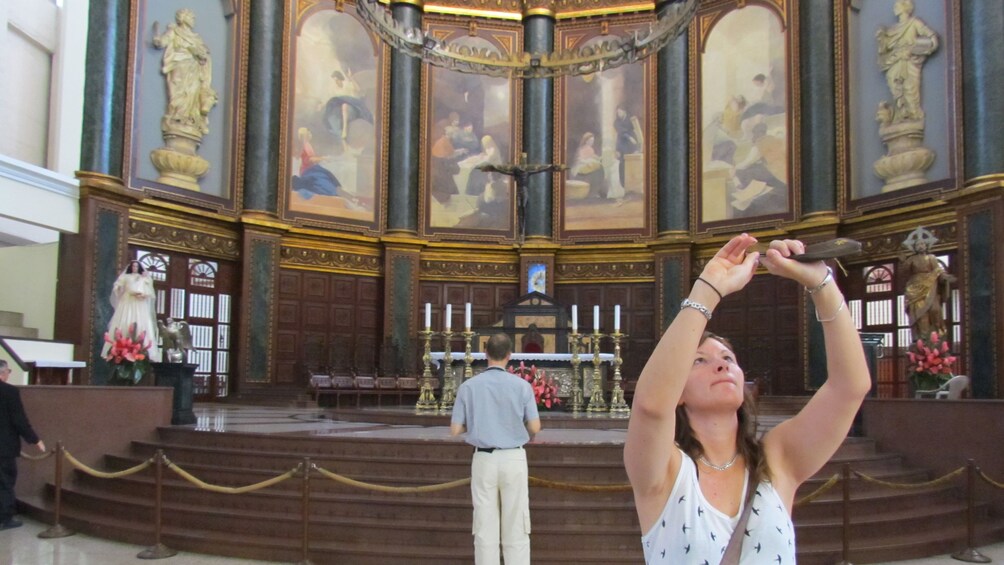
pixel 427 396
pixel 969 554
pixel 57 530
pixel 596 401
pixel 468 358
pixel 158 550
pixel 617 403
pixel 449 382
pixel 305 511
pixel 845 534
pixel 577 383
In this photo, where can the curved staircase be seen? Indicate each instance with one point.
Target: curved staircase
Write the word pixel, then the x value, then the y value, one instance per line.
pixel 352 526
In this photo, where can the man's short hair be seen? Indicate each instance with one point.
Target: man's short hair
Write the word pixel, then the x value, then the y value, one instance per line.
pixel 499 347
pixel 3 365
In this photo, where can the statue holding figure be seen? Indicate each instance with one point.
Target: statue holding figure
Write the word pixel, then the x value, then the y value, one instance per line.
pixel 176 338
pixel 928 285
pixel 188 71
pixel 902 50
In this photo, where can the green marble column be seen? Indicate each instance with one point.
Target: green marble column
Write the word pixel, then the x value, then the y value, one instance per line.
pixel 983 87
pixel 261 163
pixel 405 111
pixel 104 87
pixel 673 130
pixel 538 128
pixel 818 107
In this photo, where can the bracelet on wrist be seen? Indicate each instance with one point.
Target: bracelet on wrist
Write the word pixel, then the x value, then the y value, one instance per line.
pixel 826 280
pixel 843 304
pixel 720 297
pixel 688 303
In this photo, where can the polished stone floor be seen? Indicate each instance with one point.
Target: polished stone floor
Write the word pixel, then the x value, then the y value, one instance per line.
pixel 21 546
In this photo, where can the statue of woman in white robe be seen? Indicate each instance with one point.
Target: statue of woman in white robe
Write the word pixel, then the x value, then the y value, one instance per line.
pixel 134 301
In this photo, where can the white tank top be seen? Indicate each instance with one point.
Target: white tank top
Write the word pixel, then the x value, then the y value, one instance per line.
pixel 690 531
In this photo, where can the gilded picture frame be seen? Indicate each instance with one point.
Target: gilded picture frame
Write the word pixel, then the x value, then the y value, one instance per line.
pixel 744 114
pixel 334 140
pixel 869 168
pixel 184 103
pixel 605 134
pixel 469 120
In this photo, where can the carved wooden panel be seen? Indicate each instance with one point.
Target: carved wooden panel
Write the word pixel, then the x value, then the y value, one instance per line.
pixel 327 321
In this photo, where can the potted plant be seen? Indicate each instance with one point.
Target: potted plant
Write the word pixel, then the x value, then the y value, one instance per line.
pixel 930 363
pixel 545 391
pixel 128 355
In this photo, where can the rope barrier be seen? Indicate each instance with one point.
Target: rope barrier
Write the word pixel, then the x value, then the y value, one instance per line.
pixel 382 488
pixel 819 491
pixel 936 482
pixel 991 481
pixel 102 475
pixel 535 482
pixel 45 455
pixel 231 490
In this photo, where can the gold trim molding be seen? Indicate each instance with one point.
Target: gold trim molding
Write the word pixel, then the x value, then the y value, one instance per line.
pixel 330 260
pixel 193 239
pixel 436 269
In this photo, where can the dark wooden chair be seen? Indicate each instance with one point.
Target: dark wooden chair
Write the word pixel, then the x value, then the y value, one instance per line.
pixel 365 387
pixel 386 386
pixel 408 387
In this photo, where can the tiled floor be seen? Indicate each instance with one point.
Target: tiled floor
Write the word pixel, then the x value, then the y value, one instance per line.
pixel 21 546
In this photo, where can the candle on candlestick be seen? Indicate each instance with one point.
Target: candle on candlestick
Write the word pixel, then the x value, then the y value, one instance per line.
pixel 428 316
pixel 617 318
pixel 449 314
pixel 575 319
pixel 596 319
pixel 467 317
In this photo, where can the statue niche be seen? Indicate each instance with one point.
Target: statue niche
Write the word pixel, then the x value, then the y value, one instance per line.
pixel 902 50
pixel 188 72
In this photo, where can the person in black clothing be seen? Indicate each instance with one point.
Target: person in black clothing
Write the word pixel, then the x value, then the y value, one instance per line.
pixel 14 426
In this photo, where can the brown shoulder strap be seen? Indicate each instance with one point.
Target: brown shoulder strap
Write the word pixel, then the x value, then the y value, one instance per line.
pixel 734 550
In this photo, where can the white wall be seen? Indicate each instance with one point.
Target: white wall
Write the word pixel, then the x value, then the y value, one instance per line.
pixel 28 285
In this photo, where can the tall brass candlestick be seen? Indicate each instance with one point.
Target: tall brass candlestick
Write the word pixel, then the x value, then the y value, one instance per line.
pixel 577 382
pixel 427 396
pixel 596 401
pixel 468 358
pixel 617 403
pixel 449 383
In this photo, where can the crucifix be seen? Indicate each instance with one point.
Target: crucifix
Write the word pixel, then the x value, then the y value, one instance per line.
pixel 520 172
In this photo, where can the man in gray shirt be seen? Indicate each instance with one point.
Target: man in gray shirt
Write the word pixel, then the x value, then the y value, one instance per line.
pixel 498 411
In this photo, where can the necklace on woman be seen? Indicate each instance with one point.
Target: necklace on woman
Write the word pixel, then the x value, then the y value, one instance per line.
pixel 724 467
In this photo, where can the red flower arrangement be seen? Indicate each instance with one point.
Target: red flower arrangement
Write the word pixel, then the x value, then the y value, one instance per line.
pixel 545 391
pixel 930 362
pixel 128 353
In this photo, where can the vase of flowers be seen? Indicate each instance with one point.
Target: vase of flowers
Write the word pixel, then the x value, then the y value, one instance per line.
pixel 128 354
pixel 930 362
pixel 545 390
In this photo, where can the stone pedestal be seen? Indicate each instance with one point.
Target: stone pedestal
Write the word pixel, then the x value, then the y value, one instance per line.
pixel 907 160
pixel 177 376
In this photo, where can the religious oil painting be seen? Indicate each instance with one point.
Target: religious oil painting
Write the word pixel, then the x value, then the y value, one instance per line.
pixel 184 122
pixel 605 138
pixel 334 129
pixel 901 111
pixel 744 121
pixel 536 278
pixel 469 124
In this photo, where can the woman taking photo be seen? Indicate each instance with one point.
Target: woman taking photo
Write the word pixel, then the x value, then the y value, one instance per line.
pixel 692 453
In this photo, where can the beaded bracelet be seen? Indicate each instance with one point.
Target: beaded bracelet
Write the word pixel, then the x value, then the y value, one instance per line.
pixel 826 280
pixel 688 303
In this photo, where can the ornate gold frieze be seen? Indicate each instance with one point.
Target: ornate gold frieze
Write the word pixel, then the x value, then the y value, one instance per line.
pixel 890 244
pixel 472 271
pixel 330 260
pixel 517 9
pixel 192 239
pixel 605 271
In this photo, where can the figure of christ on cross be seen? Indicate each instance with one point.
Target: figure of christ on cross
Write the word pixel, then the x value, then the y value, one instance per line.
pixel 520 173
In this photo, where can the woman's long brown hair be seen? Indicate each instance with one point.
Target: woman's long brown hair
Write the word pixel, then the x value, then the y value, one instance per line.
pixel 747 443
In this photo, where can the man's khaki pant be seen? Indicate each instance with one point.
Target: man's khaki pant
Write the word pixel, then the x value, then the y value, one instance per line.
pixel 501 495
